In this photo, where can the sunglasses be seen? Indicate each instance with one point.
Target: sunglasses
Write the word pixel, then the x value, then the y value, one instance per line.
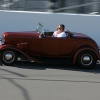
pixel 59 28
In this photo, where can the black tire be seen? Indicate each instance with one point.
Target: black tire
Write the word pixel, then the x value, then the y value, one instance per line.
pixel 8 57
pixel 86 59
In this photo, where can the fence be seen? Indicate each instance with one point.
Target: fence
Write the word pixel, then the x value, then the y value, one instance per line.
pixel 66 6
pixel 24 5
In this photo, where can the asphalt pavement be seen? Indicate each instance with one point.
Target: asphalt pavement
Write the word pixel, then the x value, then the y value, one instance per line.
pixel 32 81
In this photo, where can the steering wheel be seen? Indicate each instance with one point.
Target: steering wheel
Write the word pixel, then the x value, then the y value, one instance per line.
pixel 69 34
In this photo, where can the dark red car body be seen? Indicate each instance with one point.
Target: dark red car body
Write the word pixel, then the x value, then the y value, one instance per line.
pixel 76 48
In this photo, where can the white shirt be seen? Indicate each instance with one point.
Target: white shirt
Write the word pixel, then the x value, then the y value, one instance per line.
pixel 55 34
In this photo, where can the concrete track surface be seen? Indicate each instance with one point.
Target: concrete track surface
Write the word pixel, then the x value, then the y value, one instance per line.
pixel 31 81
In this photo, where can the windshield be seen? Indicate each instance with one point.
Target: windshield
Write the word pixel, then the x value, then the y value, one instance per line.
pixel 40 28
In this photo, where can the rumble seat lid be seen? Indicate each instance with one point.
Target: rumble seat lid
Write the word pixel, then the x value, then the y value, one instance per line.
pixel 80 35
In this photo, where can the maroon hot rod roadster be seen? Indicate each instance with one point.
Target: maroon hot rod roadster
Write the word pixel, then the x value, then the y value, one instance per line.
pixel 39 46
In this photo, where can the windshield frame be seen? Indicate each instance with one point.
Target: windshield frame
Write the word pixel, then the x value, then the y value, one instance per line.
pixel 40 28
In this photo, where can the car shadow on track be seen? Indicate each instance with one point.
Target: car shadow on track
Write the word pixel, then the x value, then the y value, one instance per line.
pixel 41 66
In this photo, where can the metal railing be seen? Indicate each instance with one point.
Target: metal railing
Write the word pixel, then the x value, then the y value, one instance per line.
pixel 76 6
pixel 26 5
pixel 44 6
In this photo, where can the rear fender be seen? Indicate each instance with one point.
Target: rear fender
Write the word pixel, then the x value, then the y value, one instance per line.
pixel 84 49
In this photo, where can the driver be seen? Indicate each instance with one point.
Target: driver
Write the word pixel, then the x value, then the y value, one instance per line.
pixel 60 31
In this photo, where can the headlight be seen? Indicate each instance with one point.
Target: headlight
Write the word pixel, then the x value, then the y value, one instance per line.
pixel 3 38
pixel 1 41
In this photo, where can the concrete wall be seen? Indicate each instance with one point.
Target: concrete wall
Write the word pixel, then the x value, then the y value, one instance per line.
pixel 27 21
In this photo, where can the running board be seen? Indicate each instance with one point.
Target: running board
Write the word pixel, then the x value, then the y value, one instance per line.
pixel 48 61
pixel 55 61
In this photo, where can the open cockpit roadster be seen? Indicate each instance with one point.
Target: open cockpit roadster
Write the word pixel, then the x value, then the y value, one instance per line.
pixel 39 46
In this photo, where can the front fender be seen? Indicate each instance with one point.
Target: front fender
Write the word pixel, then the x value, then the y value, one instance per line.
pixel 11 47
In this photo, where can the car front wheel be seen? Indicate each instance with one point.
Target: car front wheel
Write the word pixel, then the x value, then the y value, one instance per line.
pixel 86 59
pixel 8 57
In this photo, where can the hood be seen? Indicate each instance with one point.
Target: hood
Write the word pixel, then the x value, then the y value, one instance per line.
pixel 80 35
pixel 23 34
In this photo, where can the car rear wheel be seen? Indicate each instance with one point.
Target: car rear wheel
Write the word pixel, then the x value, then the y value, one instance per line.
pixel 86 59
pixel 8 57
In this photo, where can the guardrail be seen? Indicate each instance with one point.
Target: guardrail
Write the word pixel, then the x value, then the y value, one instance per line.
pixel 76 6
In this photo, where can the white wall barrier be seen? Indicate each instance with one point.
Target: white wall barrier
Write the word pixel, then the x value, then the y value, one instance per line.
pixel 27 21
